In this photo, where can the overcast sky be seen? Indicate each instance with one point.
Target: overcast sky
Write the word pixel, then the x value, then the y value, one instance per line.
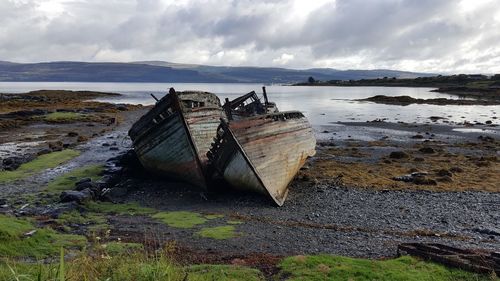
pixel 415 35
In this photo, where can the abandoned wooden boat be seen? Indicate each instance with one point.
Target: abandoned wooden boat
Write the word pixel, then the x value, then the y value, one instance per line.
pixel 173 138
pixel 248 105
pixel 263 153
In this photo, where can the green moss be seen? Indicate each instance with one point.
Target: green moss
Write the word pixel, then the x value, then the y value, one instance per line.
pixel 222 273
pixel 180 219
pixel 326 267
pixel 68 180
pixel 96 229
pixel 116 248
pixel 213 216
pixel 61 117
pixel 42 162
pixel 218 232
pixel 127 209
pixel 43 243
pixel 234 222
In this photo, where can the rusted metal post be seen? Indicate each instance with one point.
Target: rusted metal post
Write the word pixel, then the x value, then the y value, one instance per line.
pixel 265 95
pixel 156 99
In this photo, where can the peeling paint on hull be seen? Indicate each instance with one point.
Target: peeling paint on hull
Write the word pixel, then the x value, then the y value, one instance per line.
pixel 263 153
pixel 172 139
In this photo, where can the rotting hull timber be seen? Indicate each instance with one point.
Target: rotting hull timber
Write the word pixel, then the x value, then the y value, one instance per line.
pixel 263 153
pixel 172 139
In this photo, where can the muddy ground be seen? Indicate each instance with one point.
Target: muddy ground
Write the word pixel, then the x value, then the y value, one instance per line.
pixel 344 201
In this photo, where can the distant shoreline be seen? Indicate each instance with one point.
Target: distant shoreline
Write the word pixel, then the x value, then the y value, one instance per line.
pixel 469 86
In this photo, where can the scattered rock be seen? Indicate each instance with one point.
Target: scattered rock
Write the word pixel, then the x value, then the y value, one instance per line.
pixel 436 118
pixel 55 210
pixel 12 163
pixel 444 179
pixel 488 122
pixel 483 163
pixel 56 145
pixel 427 150
pixel 410 177
pixel 30 233
pixel 72 134
pixel 456 170
pixel 43 151
pixel 398 155
pixel 444 173
pixel 83 180
pixel 114 148
pixel 422 180
pixel 76 196
pixel 418 159
pixel 114 194
pixel 84 185
pixel 418 136
pixel 82 139
pixel 486 138
pixel 495 232
pixel 304 177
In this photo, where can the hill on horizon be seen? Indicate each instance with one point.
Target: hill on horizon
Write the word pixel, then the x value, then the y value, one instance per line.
pixel 161 72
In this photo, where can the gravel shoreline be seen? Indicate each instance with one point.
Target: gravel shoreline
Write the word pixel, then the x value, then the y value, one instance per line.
pixel 318 217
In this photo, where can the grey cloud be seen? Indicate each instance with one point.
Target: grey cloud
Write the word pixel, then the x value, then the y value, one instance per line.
pixel 438 35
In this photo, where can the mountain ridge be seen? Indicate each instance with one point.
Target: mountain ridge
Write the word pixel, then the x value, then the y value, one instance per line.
pixel 162 71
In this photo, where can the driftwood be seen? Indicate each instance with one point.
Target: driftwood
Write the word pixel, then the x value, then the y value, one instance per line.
pixel 475 261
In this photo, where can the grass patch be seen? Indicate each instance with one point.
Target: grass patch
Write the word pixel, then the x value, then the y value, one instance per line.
pixel 213 216
pixel 127 209
pixel 218 232
pixel 326 267
pixel 68 180
pixel 222 273
pixel 117 248
pixel 180 219
pixel 81 218
pixel 42 162
pixel 43 243
pixel 126 267
pixel 95 223
pixel 62 117
pixel 234 222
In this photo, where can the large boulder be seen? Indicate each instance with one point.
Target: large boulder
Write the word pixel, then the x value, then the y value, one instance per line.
pixel 76 196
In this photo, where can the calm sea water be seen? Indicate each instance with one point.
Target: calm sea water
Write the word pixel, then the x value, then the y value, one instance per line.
pixel 322 105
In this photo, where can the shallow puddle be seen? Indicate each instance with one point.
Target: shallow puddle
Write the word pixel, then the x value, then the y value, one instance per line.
pixel 475 130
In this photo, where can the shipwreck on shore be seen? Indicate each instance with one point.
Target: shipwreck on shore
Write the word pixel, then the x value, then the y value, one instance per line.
pixel 173 138
pixel 246 142
pixel 263 153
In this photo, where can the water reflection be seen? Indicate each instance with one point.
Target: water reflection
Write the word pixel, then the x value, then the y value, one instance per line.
pixel 322 105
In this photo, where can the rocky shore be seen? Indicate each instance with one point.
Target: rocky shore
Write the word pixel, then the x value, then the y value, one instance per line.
pixel 371 186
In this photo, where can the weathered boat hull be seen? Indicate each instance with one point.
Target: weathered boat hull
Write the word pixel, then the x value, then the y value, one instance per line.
pixel 263 153
pixel 172 139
